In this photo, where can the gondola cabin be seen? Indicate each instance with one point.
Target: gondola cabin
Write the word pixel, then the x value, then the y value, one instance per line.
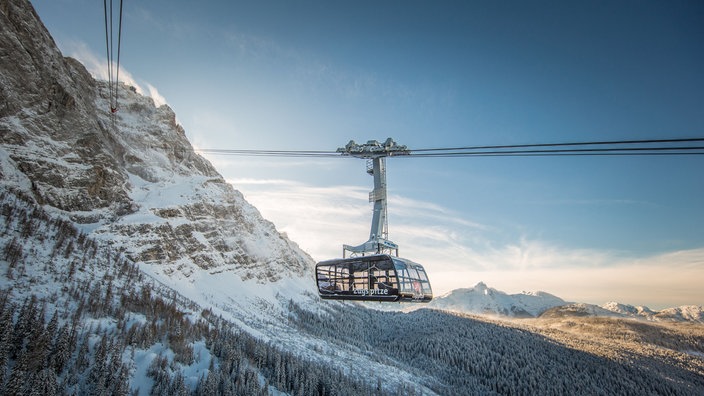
pixel 378 277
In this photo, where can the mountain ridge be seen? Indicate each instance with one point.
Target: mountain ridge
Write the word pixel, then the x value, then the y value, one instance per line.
pixel 484 300
pixel 131 176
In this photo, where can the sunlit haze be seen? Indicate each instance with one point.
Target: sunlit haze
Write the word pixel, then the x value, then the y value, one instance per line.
pixel 313 75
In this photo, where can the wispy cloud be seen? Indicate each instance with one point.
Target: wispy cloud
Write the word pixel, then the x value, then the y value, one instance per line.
pixel 460 252
pixel 98 68
pixel 256 48
pixel 175 28
pixel 158 98
pixel 320 74
pixel 407 207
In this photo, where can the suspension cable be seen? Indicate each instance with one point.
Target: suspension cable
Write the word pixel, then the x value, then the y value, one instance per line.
pixel 113 68
pixel 650 147
pixel 119 46
pixel 595 143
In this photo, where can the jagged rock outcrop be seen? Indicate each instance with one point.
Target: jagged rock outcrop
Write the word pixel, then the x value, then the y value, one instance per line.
pixel 131 179
pixel 49 123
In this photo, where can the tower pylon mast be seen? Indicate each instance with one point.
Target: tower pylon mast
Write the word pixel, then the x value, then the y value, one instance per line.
pixel 375 153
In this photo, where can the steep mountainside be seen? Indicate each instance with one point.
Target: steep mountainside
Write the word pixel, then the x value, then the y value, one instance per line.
pixel 131 180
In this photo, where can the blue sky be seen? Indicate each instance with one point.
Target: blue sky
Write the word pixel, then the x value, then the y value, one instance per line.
pixel 313 75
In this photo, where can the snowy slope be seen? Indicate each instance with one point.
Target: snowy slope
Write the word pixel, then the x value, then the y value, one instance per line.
pixel 132 180
pixel 193 231
pixel 687 313
pixel 482 299
pixel 691 313
pixel 629 310
pixel 579 309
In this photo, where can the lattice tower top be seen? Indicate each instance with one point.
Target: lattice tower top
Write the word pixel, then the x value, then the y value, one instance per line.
pixel 374 149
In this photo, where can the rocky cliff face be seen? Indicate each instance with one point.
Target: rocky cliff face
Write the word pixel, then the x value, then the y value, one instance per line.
pixel 132 180
pixel 48 119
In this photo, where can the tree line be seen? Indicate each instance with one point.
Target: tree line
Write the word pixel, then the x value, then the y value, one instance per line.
pixel 454 354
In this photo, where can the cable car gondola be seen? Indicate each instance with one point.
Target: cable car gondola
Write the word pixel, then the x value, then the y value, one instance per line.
pixel 379 277
pixel 372 273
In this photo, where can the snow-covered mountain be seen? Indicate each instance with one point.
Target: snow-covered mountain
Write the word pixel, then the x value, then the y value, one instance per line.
pixel 482 299
pixel 685 313
pixel 131 180
pixel 691 313
pixel 628 310
pixel 128 265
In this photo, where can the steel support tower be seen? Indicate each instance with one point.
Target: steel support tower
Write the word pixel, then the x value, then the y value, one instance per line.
pixel 375 153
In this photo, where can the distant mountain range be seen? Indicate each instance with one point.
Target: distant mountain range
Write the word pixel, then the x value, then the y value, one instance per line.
pixel 484 300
